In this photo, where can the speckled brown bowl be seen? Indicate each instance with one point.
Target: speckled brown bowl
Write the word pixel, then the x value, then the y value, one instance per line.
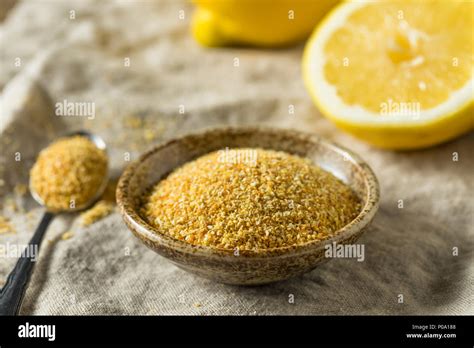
pixel 248 267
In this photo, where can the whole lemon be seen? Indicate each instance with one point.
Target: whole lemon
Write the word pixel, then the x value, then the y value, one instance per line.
pixel 266 23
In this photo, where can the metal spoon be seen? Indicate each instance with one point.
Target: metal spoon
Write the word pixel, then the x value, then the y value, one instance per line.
pixel 14 289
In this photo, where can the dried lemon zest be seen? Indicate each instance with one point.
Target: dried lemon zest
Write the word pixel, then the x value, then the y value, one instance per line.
pixel 67 235
pixel 21 189
pixel 100 210
pixel 5 225
pixel 69 171
pixel 279 200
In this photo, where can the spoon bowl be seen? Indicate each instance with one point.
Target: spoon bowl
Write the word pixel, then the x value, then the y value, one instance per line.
pixel 100 144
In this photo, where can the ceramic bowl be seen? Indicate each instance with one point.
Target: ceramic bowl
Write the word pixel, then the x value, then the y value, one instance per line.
pixel 245 267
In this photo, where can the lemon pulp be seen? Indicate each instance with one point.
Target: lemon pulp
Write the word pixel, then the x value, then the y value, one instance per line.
pixel 397 74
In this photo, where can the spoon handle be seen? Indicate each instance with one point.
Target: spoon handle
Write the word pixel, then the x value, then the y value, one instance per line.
pixel 12 292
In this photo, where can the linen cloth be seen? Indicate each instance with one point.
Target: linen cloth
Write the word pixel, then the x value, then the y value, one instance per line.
pixel 150 81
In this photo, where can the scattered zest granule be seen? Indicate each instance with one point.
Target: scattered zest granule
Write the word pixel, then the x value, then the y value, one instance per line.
pixel 67 235
pixel 68 173
pixel 279 200
pixel 21 189
pixel 100 210
pixel 5 226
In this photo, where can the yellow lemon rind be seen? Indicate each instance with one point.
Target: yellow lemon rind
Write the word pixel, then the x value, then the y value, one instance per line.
pixel 398 136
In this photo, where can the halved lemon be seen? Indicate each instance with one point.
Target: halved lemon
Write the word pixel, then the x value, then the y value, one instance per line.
pixel 397 74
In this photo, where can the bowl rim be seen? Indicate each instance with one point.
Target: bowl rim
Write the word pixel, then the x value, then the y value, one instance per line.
pixel 152 235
